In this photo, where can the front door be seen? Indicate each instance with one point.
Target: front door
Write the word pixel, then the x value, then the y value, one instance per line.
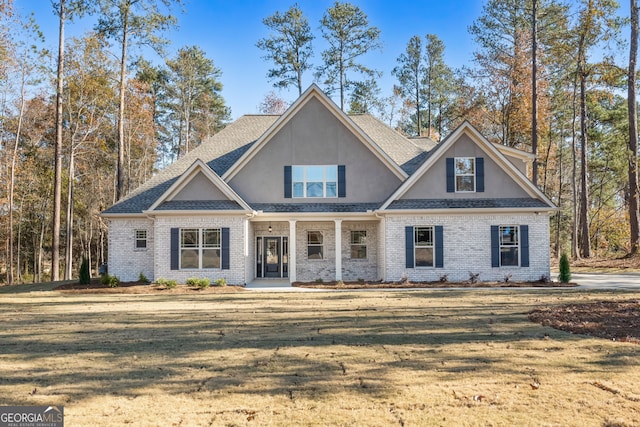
pixel 272 256
pixel 272 260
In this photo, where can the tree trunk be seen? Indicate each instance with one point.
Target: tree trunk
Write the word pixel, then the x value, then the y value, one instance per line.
pixel 68 272
pixel 534 92
pixel 57 180
pixel 575 254
pixel 585 241
pixel 634 213
pixel 121 107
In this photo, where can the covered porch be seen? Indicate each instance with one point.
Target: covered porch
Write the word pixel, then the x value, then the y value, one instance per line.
pixel 314 249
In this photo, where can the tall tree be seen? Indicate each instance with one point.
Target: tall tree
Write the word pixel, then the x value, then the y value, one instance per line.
pixel 346 28
pixel 410 72
pixel 534 90
pixel 66 9
pixel 289 47
pixel 192 94
pixel 88 98
pixel 365 98
pixel 131 22
pixel 632 106
pixel 595 23
pixel 437 77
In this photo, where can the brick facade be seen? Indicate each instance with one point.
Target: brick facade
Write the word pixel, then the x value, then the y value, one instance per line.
pixel 125 261
pixel 467 247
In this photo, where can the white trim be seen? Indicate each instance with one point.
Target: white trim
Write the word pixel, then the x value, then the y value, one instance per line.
pixel 338 248
pixel 466 211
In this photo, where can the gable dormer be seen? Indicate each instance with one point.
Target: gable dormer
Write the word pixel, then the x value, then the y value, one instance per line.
pixel 199 189
pixel 467 171
pixel 315 153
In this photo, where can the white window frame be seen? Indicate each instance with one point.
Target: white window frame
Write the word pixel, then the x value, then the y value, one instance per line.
pixel 509 244
pixel 140 236
pixel 458 173
pixel 315 245
pixel 305 181
pixel 201 247
pixel 417 245
pixel 358 243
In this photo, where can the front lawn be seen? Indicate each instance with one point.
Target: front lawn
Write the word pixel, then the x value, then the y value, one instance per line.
pixel 450 358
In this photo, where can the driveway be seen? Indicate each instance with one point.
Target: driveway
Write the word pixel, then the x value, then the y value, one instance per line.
pixel 606 280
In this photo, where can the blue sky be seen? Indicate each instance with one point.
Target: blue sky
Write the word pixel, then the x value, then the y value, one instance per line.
pixel 227 30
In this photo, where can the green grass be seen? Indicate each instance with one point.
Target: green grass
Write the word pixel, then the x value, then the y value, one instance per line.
pixel 451 358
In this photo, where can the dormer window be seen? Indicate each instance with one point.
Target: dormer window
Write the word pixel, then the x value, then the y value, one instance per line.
pixel 465 169
pixel 315 181
pixel 465 174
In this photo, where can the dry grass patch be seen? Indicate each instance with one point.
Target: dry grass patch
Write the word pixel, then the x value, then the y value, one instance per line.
pixel 376 358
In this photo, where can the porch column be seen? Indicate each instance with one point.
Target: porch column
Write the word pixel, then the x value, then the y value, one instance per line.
pixel 292 250
pixel 338 249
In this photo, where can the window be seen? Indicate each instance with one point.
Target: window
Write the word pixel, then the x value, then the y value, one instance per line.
pixel 358 245
pixel 509 245
pixel 314 245
pixel 314 181
pixel 423 246
pixel 200 248
pixel 465 174
pixel 141 239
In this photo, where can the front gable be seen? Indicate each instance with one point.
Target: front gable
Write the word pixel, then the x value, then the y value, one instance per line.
pixel 494 183
pixel 199 189
pixel 314 132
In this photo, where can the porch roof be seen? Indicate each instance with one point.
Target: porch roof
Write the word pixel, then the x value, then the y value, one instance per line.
pixel 467 203
pixel 315 207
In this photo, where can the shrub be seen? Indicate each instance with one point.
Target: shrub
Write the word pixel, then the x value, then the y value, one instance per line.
pixel 85 276
pixel 473 277
pixel 105 279
pixel 444 278
pixel 169 284
pixel 220 282
pixel 199 282
pixel 142 278
pixel 507 278
pixel 110 281
pixel 565 270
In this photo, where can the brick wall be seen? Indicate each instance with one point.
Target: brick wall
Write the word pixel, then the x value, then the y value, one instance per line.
pixel 125 261
pixel 467 247
pixel 162 250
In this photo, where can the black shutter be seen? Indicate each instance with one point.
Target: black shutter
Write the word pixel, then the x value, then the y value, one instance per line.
pixel 224 262
pixel 451 176
pixel 479 174
pixel 439 247
pixel 524 246
pixel 287 182
pixel 175 248
pixel 342 181
pixel 408 231
pixel 495 246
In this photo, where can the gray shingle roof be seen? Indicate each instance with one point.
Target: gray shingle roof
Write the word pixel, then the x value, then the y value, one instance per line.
pixel 219 152
pixel 315 207
pixel 408 154
pixel 205 205
pixel 467 203
pixel 224 149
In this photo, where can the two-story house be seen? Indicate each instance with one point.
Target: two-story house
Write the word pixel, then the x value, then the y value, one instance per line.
pixel 317 194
